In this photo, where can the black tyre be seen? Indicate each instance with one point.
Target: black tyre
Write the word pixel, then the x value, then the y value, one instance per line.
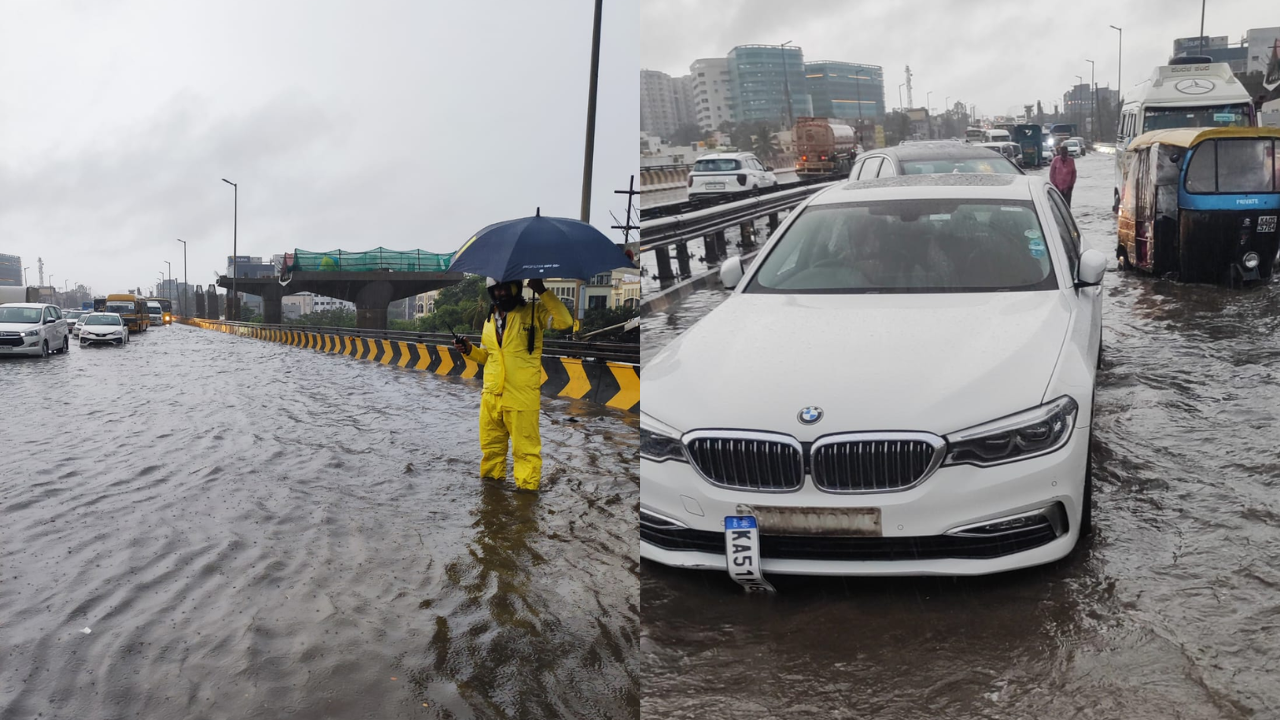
pixel 44 348
pixel 66 344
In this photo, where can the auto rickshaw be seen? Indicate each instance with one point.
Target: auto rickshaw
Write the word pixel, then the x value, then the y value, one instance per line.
pixel 1030 139
pixel 1201 203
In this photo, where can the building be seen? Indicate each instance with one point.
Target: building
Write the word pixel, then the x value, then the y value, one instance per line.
pixel 658 111
pixel 626 289
pixel 846 90
pixel 251 267
pixel 10 271
pixel 1215 47
pixel 682 92
pixel 1262 43
pixel 712 93
pixel 762 77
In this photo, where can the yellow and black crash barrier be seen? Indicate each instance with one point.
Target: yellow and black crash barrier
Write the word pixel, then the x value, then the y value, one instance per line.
pixel 608 383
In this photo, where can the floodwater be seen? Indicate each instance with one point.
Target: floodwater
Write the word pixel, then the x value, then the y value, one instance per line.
pixel 204 526
pixel 1170 610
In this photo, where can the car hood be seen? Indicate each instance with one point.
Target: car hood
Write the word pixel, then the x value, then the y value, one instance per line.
pixel 18 327
pixel 934 363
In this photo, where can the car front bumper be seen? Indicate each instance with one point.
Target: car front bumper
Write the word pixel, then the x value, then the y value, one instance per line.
pixel 87 339
pixel 913 522
pixel 30 346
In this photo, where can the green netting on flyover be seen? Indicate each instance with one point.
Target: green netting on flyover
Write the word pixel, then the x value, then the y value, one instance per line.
pixel 375 259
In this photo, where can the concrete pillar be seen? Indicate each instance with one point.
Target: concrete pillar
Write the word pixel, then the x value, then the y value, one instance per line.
pixel 271 305
pixel 200 298
pixel 747 235
pixel 773 222
pixel 663 258
pixel 682 257
pixel 211 302
pixel 371 305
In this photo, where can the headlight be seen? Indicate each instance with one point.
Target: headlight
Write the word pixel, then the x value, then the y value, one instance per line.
pixel 1250 260
pixel 1031 433
pixel 659 442
pixel 31 333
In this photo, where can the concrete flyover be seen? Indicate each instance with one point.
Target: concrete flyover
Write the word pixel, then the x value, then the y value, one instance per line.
pixel 371 291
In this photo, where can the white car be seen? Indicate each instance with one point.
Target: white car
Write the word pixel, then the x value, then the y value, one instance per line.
pixel 103 328
pixel 1074 148
pixel 73 319
pixel 902 383
pixel 1084 147
pixel 32 329
pixel 727 173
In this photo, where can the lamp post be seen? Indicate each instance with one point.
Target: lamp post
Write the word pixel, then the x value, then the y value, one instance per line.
pixel 1093 100
pixel 1119 67
pixel 900 86
pixel 588 156
pixel 182 305
pixel 1202 2
pixel 786 84
pixel 235 255
pixel 161 285
pixel 1075 92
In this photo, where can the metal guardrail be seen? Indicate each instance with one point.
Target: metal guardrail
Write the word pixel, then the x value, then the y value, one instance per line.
pixel 604 351
pixel 655 212
pixel 664 232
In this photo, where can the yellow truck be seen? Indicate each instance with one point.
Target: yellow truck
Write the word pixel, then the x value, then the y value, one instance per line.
pixel 131 309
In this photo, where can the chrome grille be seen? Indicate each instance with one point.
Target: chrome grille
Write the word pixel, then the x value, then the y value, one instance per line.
pixel 763 462
pixel 874 462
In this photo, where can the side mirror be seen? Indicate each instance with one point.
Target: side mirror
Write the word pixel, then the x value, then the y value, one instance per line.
pixel 769 168
pixel 1092 265
pixel 731 272
pixel 49 321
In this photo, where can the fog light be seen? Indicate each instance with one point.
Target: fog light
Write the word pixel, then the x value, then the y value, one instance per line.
pixel 1250 260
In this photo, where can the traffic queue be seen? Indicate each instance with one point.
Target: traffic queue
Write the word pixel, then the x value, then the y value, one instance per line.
pixel 43 329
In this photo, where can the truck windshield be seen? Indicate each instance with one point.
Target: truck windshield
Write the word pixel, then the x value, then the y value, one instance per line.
pixel 1163 118
pixel 1234 166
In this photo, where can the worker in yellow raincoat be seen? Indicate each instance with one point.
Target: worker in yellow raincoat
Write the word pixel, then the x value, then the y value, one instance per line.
pixel 511 351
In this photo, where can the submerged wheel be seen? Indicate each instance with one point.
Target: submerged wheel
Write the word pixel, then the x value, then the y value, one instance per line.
pixel 44 348
pixel 66 344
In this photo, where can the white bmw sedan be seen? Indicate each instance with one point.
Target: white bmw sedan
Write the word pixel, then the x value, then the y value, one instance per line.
pixel 901 384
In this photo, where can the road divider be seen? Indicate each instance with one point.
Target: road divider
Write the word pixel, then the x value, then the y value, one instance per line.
pixel 605 382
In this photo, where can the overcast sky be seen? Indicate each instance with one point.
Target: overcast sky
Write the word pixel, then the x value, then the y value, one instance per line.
pixel 998 54
pixel 407 124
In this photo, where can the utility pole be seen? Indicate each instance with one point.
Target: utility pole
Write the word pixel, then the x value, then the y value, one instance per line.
pixel 185 287
pixel 910 102
pixel 588 157
pixel 1093 102
pixel 1202 2
pixel 235 254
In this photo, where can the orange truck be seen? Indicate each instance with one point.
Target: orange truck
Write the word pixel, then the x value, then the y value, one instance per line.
pixel 823 147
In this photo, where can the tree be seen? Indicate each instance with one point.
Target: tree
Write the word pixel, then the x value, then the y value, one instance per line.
pixel 897 127
pixel 764 143
pixel 335 317
pixel 686 134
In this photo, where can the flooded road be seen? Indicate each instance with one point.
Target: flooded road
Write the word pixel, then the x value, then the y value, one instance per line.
pixel 1170 610
pixel 204 526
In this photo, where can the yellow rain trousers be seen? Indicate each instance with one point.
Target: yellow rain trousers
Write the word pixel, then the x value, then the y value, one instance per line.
pixel 512 397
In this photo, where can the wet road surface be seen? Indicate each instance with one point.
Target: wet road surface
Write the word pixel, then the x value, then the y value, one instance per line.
pixel 250 530
pixel 1170 610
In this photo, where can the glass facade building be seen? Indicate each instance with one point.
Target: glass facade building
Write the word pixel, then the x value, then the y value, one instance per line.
pixel 761 77
pixel 846 90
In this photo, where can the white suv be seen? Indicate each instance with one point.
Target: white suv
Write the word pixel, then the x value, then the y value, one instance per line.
pixel 32 329
pixel 726 173
pixel 928 411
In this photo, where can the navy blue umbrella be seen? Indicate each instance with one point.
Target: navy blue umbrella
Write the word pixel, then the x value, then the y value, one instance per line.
pixel 539 247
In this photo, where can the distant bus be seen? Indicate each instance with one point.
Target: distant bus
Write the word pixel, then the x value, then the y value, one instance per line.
pixel 996 135
pixel 974 135
pixel 131 308
pixel 166 309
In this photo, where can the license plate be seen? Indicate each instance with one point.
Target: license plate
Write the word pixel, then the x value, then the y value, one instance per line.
pixel 1267 223
pixel 829 522
pixel 714 186
pixel 742 548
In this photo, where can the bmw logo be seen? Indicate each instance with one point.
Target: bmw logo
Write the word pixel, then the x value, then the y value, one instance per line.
pixel 810 415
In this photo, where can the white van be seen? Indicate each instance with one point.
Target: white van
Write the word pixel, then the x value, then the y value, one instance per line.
pixel 156 312
pixel 1190 91
pixel 1001 136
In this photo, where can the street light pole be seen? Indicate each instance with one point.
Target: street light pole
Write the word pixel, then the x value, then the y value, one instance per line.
pixel 235 254
pixel 589 155
pixel 182 305
pixel 1202 2
pixel 786 84
pixel 1093 101
pixel 169 287
pixel 1076 93
pixel 928 116
pixel 900 86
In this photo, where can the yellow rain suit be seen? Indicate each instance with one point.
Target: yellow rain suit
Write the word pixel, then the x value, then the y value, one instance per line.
pixel 512 397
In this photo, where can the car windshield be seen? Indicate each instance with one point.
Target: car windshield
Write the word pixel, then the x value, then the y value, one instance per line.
pixel 102 320
pixel 125 308
pixel 20 315
pixel 995 164
pixel 73 314
pixel 910 246
pixel 717 165
pixel 1158 118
